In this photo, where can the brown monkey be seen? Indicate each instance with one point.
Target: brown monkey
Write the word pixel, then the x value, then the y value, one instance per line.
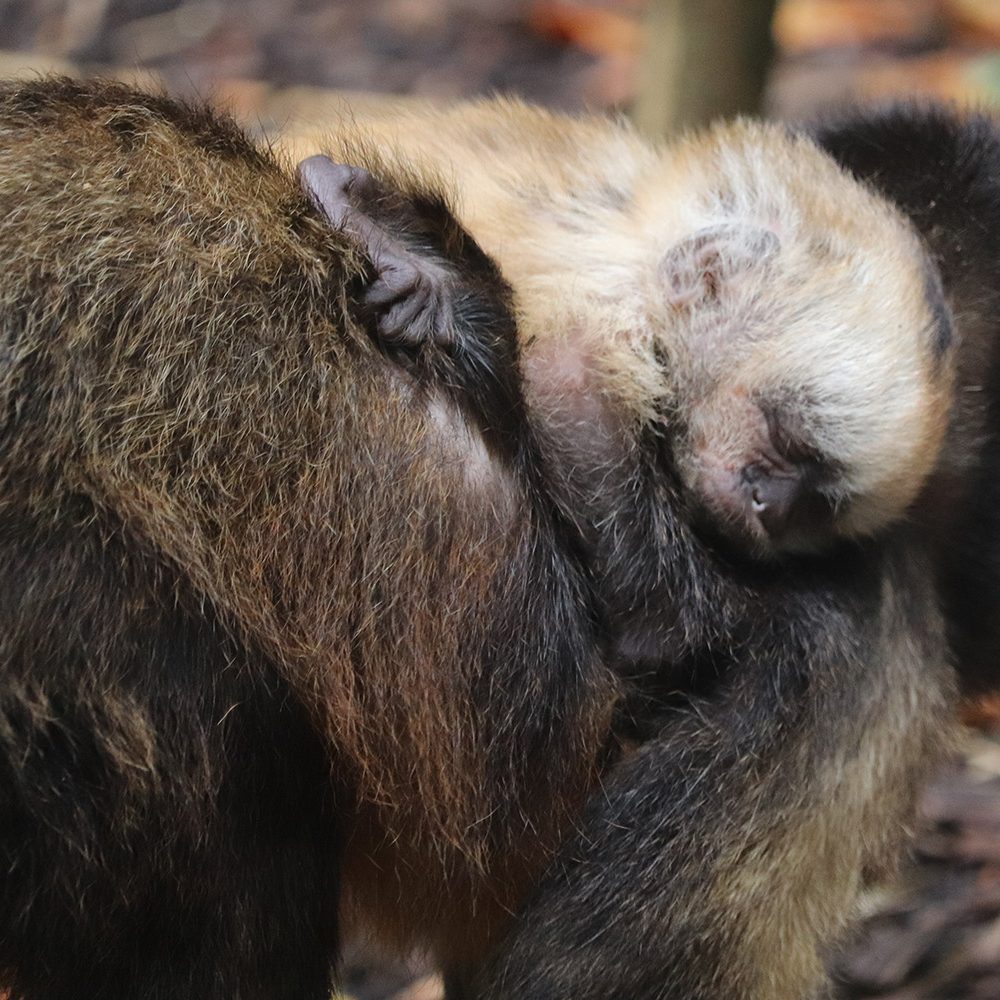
pixel 265 589
pixel 289 608
pixel 728 289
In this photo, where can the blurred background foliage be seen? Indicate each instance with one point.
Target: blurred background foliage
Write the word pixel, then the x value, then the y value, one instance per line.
pixel 671 60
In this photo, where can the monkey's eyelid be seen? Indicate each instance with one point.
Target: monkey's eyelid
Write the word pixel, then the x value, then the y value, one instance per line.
pixel 790 446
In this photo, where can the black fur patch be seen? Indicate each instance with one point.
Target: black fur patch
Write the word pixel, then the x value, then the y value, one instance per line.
pixel 942 169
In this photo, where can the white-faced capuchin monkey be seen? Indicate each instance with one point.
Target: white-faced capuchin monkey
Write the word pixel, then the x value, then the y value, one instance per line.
pixel 619 325
pixel 737 294
pixel 562 204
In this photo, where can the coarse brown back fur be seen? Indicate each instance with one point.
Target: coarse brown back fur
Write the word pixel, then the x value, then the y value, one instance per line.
pixel 178 350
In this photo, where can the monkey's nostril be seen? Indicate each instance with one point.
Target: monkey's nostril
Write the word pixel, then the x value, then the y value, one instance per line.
pixel 773 497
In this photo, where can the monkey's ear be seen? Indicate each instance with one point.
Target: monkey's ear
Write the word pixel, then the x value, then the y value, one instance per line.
pixel 696 271
pixel 408 299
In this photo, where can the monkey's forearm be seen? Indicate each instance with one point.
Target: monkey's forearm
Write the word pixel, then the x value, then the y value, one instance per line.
pixel 721 858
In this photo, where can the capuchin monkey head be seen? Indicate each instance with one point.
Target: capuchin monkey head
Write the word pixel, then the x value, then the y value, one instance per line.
pixel 802 338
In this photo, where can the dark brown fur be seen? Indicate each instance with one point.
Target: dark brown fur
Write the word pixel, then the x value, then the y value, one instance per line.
pixel 280 612
pixel 220 501
pixel 942 168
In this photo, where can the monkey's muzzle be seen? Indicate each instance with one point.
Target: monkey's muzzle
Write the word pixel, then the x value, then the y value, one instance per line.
pixel 787 502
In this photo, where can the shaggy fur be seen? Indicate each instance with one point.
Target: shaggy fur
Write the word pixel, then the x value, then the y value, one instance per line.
pixel 282 617
pixel 245 554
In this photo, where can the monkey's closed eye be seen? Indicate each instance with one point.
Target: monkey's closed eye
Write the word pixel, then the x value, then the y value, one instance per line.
pixel 788 436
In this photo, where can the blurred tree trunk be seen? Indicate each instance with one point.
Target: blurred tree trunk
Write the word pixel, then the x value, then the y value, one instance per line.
pixel 704 59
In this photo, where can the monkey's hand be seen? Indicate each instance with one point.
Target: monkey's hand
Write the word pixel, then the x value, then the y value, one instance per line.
pixel 409 299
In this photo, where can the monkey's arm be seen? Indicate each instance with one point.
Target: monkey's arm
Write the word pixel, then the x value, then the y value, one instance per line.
pixel 746 827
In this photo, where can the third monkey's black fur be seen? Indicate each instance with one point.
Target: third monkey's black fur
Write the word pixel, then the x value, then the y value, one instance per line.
pixel 942 168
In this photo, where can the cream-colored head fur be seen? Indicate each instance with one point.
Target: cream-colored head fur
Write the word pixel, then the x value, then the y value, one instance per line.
pixel 788 309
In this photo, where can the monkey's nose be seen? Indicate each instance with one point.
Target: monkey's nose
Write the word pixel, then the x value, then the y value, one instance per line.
pixel 773 495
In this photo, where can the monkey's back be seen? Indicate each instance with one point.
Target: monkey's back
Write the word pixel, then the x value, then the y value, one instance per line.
pixel 202 452
pixel 139 736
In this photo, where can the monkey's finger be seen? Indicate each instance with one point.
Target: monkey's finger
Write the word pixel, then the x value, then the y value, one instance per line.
pixel 333 188
pixel 412 320
pixel 329 184
pixel 391 286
